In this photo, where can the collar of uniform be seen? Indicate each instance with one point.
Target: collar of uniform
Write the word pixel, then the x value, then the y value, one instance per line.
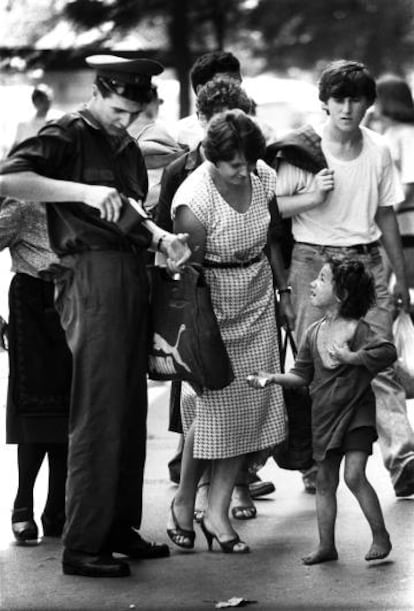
pixel 194 158
pixel 88 117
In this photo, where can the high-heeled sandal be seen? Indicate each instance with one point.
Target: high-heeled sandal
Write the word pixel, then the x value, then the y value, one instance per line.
pixel 24 527
pixel 228 547
pixel 243 512
pixel 199 513
pixel 176 533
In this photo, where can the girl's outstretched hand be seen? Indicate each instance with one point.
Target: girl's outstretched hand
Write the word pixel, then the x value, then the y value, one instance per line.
pixel 259 379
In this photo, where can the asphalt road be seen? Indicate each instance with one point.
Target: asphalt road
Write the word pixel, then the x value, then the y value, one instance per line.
pixel 272 575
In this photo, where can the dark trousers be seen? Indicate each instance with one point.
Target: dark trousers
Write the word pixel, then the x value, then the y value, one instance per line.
pixel 102 299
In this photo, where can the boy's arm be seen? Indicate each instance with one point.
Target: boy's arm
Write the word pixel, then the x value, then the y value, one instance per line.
pixel 295 203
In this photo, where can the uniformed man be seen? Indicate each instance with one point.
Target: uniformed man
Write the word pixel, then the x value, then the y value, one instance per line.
pixel 85 166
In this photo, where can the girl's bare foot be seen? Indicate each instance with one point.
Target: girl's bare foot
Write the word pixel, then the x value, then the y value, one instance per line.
pixel 380 548
pixel 321 555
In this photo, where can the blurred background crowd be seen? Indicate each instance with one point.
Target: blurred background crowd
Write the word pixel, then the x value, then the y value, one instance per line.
pixel 281 44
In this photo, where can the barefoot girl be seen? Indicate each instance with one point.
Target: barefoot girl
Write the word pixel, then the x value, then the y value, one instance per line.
pixel 338 359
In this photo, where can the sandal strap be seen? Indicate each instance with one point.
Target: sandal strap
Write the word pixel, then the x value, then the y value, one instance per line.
pixel 202 485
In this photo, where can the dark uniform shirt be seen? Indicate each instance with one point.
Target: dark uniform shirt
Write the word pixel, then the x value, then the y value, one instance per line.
pixel 76 148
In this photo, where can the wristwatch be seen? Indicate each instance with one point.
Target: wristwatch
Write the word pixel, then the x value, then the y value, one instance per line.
pixel 286 289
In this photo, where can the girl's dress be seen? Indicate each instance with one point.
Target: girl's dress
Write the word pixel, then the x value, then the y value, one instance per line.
pixel 236 420
pixel 342 397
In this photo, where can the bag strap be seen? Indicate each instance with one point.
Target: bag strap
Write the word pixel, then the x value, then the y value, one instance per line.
pixel 288 340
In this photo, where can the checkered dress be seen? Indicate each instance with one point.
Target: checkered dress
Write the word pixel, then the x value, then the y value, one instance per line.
pixel 238 419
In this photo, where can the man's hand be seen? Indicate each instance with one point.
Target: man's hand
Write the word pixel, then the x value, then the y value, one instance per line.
pixel 287 313
pixel 106 199
pixel 402 296
pixel 177 251
pixel 324 183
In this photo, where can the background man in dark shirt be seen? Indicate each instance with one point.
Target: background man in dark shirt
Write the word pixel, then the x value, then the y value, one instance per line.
pixel 85 166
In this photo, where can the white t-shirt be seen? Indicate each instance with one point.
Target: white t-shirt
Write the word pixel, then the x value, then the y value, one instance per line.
pixel 188 132
pixel 347 216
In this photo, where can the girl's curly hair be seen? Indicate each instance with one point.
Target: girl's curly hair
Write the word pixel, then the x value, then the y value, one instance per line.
pixel 353 285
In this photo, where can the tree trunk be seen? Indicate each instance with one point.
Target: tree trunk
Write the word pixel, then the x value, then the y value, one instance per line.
pixel 179 36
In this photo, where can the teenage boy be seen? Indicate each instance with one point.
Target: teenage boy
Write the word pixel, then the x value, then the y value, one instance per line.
pixel 189 132
pixel 346 209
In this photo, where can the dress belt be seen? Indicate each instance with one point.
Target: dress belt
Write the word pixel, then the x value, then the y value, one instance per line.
pixel 232 264
pixel 360 249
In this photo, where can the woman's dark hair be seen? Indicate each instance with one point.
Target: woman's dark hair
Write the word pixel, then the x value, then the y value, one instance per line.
pixel 346 79
pixel 208 65
pixel 233 132
pixel 221 94
pixel 395 98
pixel 354 286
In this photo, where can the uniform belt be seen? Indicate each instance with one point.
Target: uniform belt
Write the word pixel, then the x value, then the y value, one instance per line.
pixel 232 264
pixel 359 249
pixel 117 246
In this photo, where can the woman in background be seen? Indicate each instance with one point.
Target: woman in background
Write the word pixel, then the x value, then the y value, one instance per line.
pixel 393 116
pixel 40 369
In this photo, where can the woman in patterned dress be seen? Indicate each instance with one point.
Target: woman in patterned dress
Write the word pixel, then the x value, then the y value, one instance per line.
pixel 224 206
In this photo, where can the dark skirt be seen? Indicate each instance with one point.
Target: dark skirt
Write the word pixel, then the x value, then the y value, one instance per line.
pixel 40 365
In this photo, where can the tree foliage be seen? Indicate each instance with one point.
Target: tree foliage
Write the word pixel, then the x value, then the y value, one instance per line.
pixel 306 34
pixel 193 26
pixel 265 34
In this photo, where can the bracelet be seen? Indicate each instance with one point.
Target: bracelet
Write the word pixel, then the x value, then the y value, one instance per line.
pixel 287 289
pixel 160 241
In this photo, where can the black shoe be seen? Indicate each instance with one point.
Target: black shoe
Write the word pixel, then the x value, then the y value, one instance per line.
pixel 24 527
pixel 174 468
pixel 130 543
pixel 261 488
pixel 53 525
pixel 89 565
pixel 405 483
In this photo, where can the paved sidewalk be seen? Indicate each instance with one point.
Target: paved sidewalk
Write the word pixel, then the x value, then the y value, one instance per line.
pixel 272 575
